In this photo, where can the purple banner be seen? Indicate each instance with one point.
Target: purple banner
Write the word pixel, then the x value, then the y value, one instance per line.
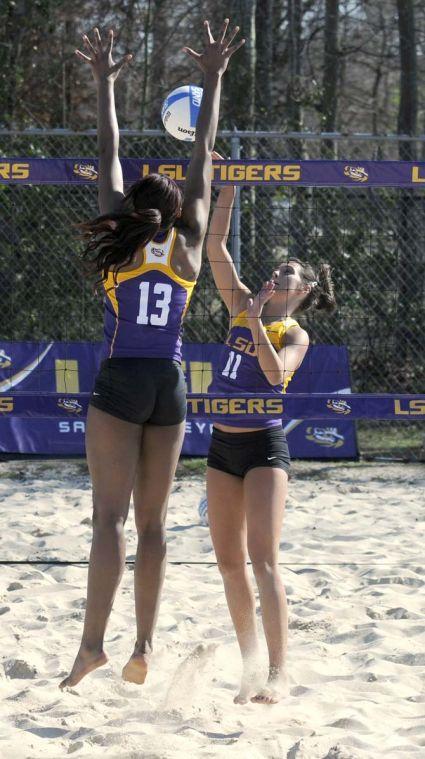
pixel 242 172
pixel 317 406
pixel 44 391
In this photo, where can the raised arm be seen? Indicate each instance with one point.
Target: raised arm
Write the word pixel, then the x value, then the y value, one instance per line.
pixel 105 72
pixel 197 193
pixel 226 279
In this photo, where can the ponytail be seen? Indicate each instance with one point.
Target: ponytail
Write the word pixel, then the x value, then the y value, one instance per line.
pixel 326 300
pixel 322 294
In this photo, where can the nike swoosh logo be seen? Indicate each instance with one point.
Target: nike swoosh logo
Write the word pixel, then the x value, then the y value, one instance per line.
pixel 7 384
pixel 269 458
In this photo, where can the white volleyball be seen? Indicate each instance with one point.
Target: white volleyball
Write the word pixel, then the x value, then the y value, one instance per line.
pixel 203 511
pixel 180 111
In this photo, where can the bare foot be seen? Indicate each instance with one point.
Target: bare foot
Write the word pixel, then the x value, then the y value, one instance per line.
pixel 275 688
pixel 249 684
pixel 136 669
pixel 86 661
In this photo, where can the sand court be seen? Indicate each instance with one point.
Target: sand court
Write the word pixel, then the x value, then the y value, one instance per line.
pixel 352 548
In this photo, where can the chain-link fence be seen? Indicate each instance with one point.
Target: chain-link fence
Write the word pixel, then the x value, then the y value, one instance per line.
pixel 373 239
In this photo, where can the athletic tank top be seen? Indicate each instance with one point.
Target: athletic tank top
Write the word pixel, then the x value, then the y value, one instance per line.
pixel 238 370
pixel 144 309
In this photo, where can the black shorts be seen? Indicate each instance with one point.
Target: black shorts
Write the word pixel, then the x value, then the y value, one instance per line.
pixel 238 452
pixel 140 390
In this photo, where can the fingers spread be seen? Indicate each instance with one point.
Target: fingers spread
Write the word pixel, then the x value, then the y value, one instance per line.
pixel 210 38
pixel 224 30
pixel 82 56
pixel 97 38
pixel 110 41
pixel 232 36
pixel 88 44
pixel 192 53
pixel 231 50
pixel 118 66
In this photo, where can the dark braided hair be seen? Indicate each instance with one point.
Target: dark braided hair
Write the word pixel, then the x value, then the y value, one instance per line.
pixel 151 205
pixel 321 295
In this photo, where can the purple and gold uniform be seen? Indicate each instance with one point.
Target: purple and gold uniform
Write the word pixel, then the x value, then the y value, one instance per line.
pixel 239 371
pixel 141 380
pixel 145 307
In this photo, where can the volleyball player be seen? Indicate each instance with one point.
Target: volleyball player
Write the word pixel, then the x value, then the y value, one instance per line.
pixel 248 461
pixel 145 248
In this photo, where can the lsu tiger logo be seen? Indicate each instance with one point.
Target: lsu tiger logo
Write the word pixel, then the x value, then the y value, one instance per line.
pixel 85 170
pixel 71 405
pixel 358 173
pixel 327 437
pixel 5 360
pixel 340 407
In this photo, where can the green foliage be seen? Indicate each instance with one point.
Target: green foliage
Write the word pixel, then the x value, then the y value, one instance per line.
pixel 43 84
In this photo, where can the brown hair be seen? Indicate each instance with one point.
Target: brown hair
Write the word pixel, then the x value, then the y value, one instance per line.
pixel 151 205
pixel 321 295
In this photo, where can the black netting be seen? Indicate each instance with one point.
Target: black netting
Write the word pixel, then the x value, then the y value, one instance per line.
pixel 373 239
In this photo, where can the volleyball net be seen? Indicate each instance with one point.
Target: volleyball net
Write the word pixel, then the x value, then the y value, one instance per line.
pixel 364 217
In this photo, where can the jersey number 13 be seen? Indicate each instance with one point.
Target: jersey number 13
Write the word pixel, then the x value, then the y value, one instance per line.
pixel 162 303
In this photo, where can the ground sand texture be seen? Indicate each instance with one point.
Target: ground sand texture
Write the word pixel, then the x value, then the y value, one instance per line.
pixel 352 545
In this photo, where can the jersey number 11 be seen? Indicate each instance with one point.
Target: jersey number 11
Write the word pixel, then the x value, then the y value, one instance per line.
pixel 232 366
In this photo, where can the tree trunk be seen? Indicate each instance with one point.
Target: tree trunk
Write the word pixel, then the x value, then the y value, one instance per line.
pixel 264 72
pixel 330 80
pixel 410 259
pixel 17 15
pixel 330 73
pixel 157 84
pixel 298 199
pixel 144 88
pixel 67 72
pixel 239 85
pixel 293 92
pixel 408 106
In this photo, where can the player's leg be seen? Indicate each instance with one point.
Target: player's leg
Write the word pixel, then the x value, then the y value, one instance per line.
pixel 226 516
pixel 160 450
pixel 113 448
pixel 265 490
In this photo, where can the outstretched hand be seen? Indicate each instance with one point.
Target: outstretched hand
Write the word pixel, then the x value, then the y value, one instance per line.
pixel 100 59
pixel 217 53
pixel 255 305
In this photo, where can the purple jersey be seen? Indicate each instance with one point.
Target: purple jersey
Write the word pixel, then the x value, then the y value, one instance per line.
pixel 238 370
pixel 144 309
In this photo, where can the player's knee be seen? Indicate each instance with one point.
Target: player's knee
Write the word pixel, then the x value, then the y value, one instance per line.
pixel 231 567
pixel 151 530
pixel 150 521
pixel 108 515
pixel 263 567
